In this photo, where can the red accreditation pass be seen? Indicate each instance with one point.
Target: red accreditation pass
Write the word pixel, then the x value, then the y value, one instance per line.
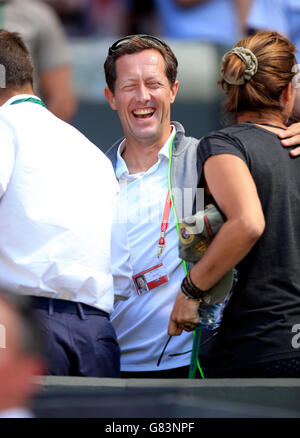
pixel 150 279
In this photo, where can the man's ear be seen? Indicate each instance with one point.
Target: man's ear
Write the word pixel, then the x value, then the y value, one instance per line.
pixel 174 90
pixel 110 98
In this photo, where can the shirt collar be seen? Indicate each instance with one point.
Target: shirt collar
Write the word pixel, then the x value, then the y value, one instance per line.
pixel 19 96
pixel 121 167
pixel 165 150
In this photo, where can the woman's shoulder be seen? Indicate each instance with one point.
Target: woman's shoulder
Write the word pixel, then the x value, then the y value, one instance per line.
pixel 240 135
pixel 228 140
pixel 231 130
pixel 230 135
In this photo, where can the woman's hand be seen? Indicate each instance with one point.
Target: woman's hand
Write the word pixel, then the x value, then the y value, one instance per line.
pixel 291 137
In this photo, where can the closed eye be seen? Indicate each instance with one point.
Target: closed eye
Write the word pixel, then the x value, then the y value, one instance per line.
pixel 153 84
pixel 129 87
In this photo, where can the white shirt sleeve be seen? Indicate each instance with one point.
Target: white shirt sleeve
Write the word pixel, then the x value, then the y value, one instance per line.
pixel 121 266
pixel 7 157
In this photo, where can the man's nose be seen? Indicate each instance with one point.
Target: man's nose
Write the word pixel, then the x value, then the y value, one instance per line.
pixel 143 94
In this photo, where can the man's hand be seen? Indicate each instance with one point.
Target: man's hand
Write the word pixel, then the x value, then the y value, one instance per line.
pixel 291 137
pixel 184 315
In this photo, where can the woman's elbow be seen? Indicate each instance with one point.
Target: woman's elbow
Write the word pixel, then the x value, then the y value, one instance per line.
pixel 252 228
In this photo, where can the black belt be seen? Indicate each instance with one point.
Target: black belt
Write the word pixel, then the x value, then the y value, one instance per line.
pixel 65 306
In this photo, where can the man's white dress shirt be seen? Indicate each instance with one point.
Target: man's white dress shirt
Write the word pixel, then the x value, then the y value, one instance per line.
pixel 58 194
pixel 141 322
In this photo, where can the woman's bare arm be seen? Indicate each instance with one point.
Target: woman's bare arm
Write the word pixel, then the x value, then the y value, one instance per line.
pixel 232 186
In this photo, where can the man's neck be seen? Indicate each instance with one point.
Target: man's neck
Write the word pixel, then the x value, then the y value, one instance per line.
pixel 141 157
pixel 9 93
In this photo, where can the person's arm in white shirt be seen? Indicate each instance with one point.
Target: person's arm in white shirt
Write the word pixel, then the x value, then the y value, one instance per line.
pixel 7 157
pixel 121 266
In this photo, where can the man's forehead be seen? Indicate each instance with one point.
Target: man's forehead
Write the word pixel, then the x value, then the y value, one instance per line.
pixel 148 59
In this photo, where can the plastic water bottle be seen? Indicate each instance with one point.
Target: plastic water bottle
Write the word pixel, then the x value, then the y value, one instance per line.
pixel 211 315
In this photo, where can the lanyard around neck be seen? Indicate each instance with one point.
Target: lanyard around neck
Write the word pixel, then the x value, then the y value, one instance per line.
pixel 29 99
pixel 166 213
pixel 164 225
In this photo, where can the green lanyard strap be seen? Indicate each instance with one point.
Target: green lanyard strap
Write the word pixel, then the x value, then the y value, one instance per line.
pixel 197 332
pixel 29 99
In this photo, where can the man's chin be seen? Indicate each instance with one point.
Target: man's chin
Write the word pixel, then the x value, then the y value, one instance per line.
pixel 146 135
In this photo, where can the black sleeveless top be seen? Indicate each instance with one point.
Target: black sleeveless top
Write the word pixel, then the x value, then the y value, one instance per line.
pixel 258 322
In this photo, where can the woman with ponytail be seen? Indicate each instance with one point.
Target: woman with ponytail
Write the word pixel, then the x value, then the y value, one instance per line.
pixel 256 184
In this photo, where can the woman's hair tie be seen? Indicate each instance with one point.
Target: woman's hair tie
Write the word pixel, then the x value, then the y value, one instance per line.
pixel 250 60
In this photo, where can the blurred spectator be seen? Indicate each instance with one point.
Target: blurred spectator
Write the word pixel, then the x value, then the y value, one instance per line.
pixel 141 17
pixel 42 32
pixel 215 21
pixel 91 17
pixel 21 356
pixel 74 15
pixel 282 16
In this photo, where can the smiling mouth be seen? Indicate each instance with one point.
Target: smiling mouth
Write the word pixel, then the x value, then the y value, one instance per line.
pixel 144 113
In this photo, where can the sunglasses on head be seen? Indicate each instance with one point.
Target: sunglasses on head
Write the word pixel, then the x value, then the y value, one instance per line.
pixel 122 41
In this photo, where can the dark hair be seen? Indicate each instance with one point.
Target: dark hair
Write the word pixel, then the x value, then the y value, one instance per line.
pixel 15 59
pixel 275 57
pixel 31 339
pixel 138 44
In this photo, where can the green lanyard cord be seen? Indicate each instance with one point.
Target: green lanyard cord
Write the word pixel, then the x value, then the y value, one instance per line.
pixel 197 332
pixel 194 358
pixel 29 99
